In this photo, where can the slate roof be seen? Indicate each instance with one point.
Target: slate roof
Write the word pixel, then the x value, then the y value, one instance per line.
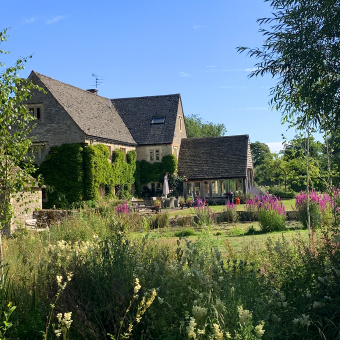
pixel 213 157
pixel 138 112
pixel 94 115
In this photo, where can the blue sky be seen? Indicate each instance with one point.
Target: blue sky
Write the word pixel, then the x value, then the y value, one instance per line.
pixel 152 47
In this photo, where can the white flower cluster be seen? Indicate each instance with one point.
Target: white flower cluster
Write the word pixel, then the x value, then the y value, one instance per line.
pixel 64 323
pixel 303 320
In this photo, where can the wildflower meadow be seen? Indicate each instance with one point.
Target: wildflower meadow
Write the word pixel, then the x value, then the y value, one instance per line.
pixel 101 275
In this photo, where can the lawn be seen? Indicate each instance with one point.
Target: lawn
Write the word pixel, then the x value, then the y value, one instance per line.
pixel 289 205
pixel 231 238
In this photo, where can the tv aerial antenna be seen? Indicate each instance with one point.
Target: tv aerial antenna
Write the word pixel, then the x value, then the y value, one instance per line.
pixel 98 80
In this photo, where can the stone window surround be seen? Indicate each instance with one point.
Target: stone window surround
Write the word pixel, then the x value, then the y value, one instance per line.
pixel 154 155
pixel 34 107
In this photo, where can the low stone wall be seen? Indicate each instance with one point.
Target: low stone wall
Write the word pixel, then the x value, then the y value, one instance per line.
pixel 47 217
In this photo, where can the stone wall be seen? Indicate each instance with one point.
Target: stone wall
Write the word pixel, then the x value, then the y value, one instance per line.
pixel 143 152
pixel 47 217
pixel 24 204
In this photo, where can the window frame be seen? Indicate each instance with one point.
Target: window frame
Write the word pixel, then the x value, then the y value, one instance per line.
pixel 36 110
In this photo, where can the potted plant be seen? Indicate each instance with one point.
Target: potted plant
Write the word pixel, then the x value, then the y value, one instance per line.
pixel 190 201
pixel 181 202
pixel 157 205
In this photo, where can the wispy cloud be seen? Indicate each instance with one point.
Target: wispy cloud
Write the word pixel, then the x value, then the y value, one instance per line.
pixel 211 66
pixel 184 74
pixel 29 21
pixel 55 19
pixel 196 27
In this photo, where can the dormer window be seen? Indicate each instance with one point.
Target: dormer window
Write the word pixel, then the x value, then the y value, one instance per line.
pixel 36 111
pixel 158 120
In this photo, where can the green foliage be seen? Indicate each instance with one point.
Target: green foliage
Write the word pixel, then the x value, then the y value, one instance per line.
pixel 196 127
pixel 280 192
pixel 76 172
pixel 201 292
pixel 15 140
pixel 63 171
pixel 160 220
pixel 169 164
pixel 301 50
pixel 229 213
pixel 315 214
pixel 271 220
pixel 260 152
pixel 185 233
pixel 147 172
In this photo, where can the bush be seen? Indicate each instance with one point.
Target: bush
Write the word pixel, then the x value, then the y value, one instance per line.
pixel 185 233
pixel 203 214
pixel 229 213
pixel 280 192
pixel 319 207
pixel 270 212
pixel 271 220
pixel 160 220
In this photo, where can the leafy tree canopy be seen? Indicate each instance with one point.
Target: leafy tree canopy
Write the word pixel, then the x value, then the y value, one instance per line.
pixel 302 50
pixel 260 152
pixel 196 127
pixel 16 163
pixel 297 147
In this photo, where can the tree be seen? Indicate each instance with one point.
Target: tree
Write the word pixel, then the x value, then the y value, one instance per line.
pixel 196 127
pixel 302 51
pixel 260 152
pixel 297 148
pixel 16 164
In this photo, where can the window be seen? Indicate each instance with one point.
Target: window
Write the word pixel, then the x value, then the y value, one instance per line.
pixel 151 156
pixel 158 120
pixel 36 111
pixel 39 151
pixel 180 123
pixel 157 157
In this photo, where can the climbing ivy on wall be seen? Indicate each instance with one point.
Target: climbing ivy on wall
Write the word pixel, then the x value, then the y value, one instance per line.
pixel 76 172
pixel 124 171
pixel 154 172
pixel 63 172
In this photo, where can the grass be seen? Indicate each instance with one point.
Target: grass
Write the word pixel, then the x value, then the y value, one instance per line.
pixel 218 271
pixel 230 237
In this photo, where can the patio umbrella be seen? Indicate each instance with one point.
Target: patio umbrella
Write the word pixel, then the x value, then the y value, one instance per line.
pixel 166 190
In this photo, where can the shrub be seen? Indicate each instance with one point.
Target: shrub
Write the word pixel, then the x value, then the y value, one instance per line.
pixel 160 220
pixel 319 207
pixel 271 220
pixel 280 192
pixel 185 233
pixel 270 212
pixel 252 208
pixel 229 213
pixel 203 214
